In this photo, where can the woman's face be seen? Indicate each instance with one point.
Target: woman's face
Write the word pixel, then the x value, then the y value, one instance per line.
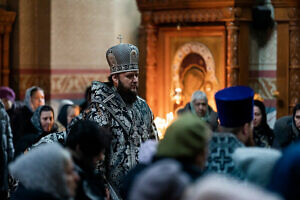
pixel 37 99
pixel 71 178
pixel 257 117
pixel 72 112
pixel 47 120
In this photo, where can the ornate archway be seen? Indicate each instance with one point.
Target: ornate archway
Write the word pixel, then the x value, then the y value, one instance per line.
pixel 194 76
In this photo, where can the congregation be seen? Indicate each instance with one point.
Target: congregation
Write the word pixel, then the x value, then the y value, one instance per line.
pixel 108 147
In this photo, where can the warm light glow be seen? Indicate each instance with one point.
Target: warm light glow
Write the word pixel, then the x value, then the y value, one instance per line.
pixel 177 96
pixel 162 124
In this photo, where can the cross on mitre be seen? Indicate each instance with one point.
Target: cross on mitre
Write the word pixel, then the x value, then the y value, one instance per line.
pixel 120 37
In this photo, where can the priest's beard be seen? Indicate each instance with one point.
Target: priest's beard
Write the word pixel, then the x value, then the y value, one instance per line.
pixel 127 95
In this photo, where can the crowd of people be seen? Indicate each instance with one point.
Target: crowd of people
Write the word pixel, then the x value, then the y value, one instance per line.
pixel 108 147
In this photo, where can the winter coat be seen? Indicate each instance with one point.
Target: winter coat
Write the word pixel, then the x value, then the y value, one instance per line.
pixel 21 124
pixel 263 136
pixel 37 133
pixel 6 147
pixel 212 118
pixel 285 132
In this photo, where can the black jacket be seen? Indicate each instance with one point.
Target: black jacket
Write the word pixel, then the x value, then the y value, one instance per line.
pixel 26 194
pixel 6 147
pixel 285 132
pixel 21 124
pixel 91 184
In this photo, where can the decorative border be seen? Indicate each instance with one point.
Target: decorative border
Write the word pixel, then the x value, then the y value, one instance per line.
pixel 60 85
pixel 62 71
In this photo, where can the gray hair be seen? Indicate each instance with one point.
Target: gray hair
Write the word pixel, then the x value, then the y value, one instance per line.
pixel 43 169
pixel 198 95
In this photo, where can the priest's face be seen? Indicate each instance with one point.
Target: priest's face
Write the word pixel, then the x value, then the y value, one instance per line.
pixel 127 84
pixel 129 81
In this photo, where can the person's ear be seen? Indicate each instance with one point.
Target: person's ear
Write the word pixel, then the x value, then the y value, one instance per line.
pixel 246 130
pixel 115 79
pixel 248 134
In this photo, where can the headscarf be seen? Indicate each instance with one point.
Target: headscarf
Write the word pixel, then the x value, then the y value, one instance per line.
pixel 36 120
pixel 43 169
pixel 286 174
pixel 202 96
pixel 295 129
pixel 63 114
pixel 186 137
pixel 27 100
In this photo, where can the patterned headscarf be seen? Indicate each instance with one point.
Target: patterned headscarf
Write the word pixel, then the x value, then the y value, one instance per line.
pixel 36 118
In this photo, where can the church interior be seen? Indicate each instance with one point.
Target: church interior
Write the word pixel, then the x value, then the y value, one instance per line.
pixel 185 45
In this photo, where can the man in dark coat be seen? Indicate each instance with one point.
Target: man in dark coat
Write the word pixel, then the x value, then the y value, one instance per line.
pixel 287 129
pixel 6 150
pixel 235 111
pixel 87 143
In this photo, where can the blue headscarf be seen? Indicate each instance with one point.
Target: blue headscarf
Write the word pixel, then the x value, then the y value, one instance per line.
pixel 286 173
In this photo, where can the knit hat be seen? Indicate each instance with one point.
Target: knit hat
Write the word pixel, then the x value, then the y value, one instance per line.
pixel 8 93
pixel 256 163
pixel 235 106
pixel 186 137
pixel 123 58
pixel 162 180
